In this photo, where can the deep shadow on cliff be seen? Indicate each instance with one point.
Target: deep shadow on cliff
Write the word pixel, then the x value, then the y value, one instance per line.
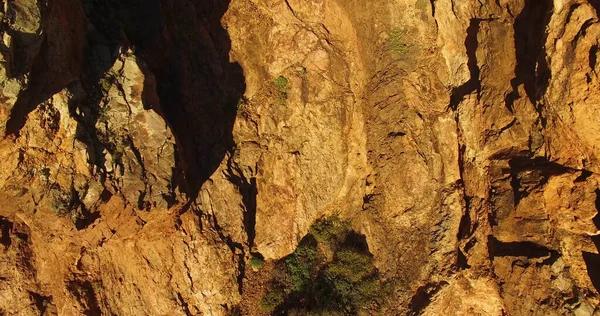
pixel 185 47
pixel 198 87
pixel 53 58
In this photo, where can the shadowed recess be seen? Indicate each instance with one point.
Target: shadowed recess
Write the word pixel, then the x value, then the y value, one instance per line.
pixel 5 228
pixel 53 59
pixel 471 44
pixel 596 5
pixel 530 37
pixel 521 249
pixel 186 48
pixel 546 170
pixel 423 296
pixel 592 260
pixel 182 42
pixel 85 294
pixel 196 83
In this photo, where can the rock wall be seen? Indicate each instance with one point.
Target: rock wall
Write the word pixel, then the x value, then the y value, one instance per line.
pixel 150 148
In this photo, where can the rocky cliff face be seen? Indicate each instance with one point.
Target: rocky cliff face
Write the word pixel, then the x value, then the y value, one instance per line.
pixel 150 150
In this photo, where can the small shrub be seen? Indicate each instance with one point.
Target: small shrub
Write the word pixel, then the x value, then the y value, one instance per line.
pixel 235 153
pixel 352 277
pixel 110 78
pixel 281 84
pixel 102 114
pixel 301 265
pixel 272 299
pixel 256 262
pixel 309 283
pixel 351 265
pixel 324 230
pixel 45 174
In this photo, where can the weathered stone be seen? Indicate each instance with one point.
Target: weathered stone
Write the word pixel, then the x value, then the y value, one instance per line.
pixel 150 149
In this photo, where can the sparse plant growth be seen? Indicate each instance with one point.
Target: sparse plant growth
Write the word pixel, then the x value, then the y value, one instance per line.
pixel 243 107
pixel 281 83
pixel 105 84
pixel 97 287
pixel 256 261
pixel 326 229
pixel 102 113
pixel 272 299
pixel 50 117
pixel 398 42
pixel 109 79
pixel 130 51
pixel 310 282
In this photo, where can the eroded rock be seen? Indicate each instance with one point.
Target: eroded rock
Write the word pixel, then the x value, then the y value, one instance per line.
pixel 151 149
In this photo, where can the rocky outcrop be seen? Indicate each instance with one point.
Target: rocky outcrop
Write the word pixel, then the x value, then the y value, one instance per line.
pixel 151 148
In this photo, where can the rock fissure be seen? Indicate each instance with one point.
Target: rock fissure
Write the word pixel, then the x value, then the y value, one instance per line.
pixel 473 84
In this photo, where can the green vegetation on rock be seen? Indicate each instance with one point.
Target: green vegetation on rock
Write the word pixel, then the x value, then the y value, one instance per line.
pixel 331 272
pixel 300 265
pixel 272 299
pixel 398 43
pixel 329 228
pixel 281 84
pixel 256 262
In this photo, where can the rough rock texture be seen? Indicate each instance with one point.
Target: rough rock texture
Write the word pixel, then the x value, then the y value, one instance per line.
pixel 149 148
